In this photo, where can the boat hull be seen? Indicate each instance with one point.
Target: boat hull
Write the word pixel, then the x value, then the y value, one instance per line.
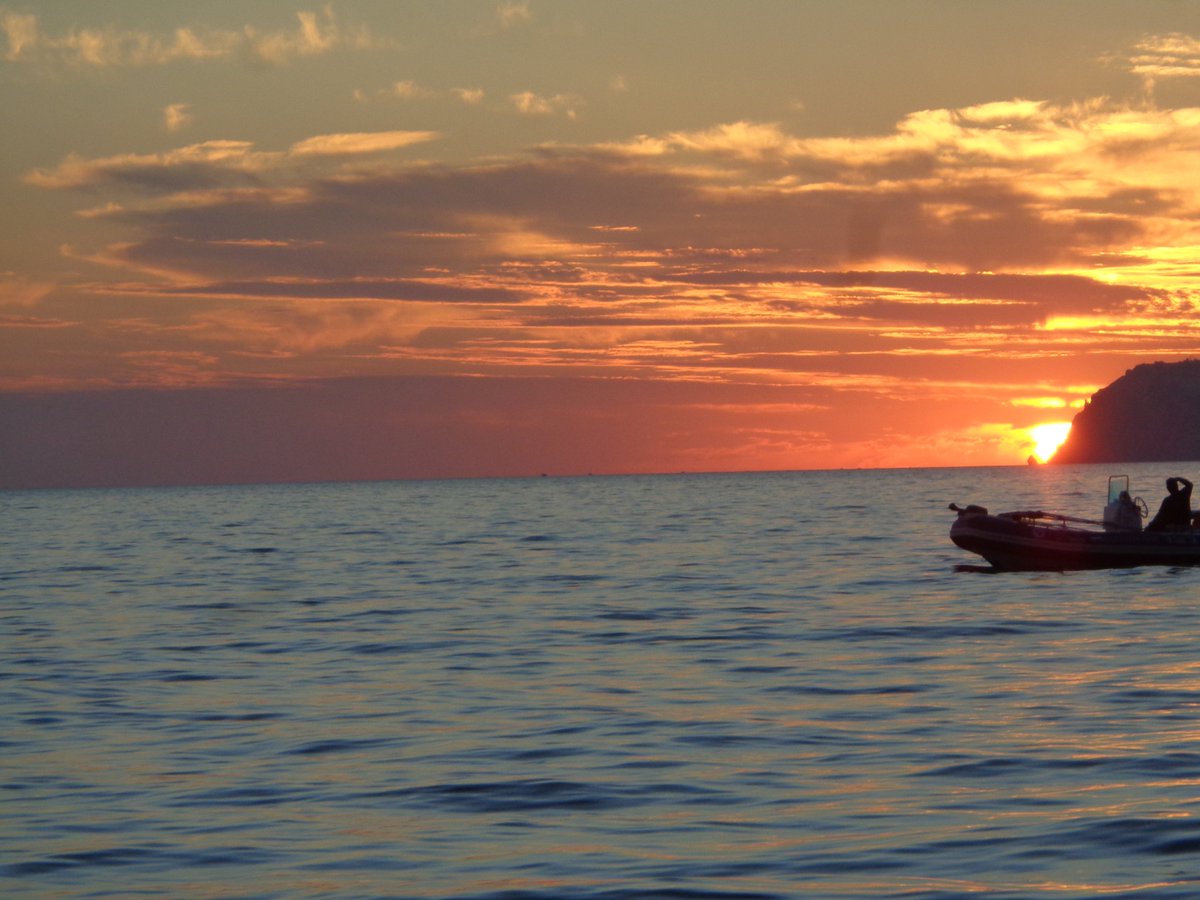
pixel 1016 544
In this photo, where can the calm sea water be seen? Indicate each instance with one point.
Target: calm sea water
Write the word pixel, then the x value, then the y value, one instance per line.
pixel 769 685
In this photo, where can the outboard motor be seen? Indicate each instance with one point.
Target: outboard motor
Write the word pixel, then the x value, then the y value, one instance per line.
pixel 969 510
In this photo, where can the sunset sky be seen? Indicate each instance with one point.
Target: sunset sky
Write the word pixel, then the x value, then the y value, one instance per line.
pixel 258 241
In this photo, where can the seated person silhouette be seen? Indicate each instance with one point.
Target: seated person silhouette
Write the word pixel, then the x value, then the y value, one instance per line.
pixel 1175 513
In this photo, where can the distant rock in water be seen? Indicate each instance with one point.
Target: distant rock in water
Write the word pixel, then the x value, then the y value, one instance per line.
pixel 1149 414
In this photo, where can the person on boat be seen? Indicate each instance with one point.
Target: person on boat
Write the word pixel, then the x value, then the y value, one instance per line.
pixel 1175 513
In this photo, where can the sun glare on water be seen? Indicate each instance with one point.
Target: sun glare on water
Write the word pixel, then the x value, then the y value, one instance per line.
pixel 1047 438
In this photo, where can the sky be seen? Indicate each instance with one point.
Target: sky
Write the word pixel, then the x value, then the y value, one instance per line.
pixel 263 241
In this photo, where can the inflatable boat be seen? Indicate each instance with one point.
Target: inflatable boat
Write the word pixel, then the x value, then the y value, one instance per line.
pixel 1037 540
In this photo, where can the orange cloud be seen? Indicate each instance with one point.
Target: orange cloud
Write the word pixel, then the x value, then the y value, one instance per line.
pixel 1161 56
pixel 172 168
pixel 212 165
pixel 1041 245
pixel 16 290
pixel 360 142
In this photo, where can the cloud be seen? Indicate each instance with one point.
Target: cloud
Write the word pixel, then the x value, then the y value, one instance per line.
pixel 213 163
pixel 998 185
pixel 513 12
pixel 176 117
pixel 109 46
pixel 470 96
pixel 1162 56
pixel 20 291
pixel 409 90
pixel 944 298
pixel 21 29
pixel 1008 235
pixel 360 142
pixel 668 218
pixel 164 368
pixel 316 33
pixel 39 322
pixel 747 140
pixel 204 164
pixel 1047 152
pixel 530 104
pixel 419 290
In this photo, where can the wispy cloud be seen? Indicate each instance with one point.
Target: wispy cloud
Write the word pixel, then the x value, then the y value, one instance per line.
pixel 470 96
pixel 19 291
pixel 1003 234
pixel 176 117
pixel 410 90
pixel 1163 56
pixel 21 29
pixel 513 12
pixel 315 34
pixel 204 164
pixel 526 103
pixel 531 104
pixel 213 163
pixel 361 142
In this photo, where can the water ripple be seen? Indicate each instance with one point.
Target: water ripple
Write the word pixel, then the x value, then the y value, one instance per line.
pixel 686 686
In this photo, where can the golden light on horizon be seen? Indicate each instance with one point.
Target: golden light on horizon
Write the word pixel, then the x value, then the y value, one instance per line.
pixel 1047 438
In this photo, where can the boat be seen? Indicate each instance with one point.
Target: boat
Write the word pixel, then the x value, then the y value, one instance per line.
pixel 1034 540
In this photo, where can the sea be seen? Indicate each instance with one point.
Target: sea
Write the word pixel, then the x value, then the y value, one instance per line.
pixel 767 685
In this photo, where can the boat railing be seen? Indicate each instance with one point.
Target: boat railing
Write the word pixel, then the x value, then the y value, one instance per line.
pixel 1043 517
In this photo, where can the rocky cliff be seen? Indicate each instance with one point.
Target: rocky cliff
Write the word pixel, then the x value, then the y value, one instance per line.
pixel 1149 414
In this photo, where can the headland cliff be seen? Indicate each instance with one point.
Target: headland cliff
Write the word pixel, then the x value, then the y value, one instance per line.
pixel 1149 414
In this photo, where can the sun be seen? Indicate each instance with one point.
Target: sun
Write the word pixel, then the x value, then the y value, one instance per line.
pixel 1047 438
